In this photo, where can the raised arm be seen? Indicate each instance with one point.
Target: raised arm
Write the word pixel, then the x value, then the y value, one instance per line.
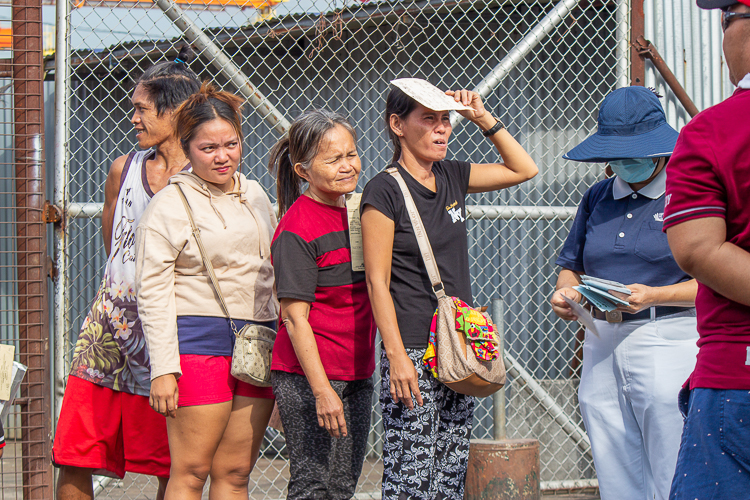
pixel 700 248
pixel 294 314
pixel 111 193
pixel 377 239
pixel 517 165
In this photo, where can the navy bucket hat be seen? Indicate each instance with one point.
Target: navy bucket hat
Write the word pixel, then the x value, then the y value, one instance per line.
pixel 631 124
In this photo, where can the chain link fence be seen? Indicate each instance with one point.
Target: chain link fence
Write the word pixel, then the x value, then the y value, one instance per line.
pixel 544 66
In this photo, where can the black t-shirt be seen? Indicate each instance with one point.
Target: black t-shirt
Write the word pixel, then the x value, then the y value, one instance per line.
pixel 443 215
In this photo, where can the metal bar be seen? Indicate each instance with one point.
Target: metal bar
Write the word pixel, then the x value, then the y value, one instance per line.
pixel 623 49
pixel 500 212
pixel 225 65
pixel 521 50
pixel 645 49
pixel 62 92
pixel 538 392
pixel 569 484
pixel 490 212
pixel 85 210
pixel 100 483
pixel 637 26
pixel 31 242
pixel 498 399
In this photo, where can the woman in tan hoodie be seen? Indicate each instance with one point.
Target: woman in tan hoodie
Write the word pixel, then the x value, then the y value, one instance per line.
pixel 217 422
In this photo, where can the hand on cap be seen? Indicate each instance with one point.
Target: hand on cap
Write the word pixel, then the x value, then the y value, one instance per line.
pixel 471 99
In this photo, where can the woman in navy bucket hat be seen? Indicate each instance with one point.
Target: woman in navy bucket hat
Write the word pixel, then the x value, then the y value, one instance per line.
pixel 633 369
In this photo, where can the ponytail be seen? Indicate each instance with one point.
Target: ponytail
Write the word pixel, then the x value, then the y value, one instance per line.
pixel 300 146
pixel 169 83
pixel 399 104
pixel 288 183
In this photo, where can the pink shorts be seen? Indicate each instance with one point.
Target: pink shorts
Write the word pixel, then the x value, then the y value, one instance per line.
pixel 206 380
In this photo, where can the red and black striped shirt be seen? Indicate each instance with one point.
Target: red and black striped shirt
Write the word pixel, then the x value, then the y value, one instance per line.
pixel 311 258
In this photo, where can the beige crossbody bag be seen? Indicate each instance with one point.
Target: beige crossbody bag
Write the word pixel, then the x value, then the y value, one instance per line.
pixel 251 359
pixel 457 367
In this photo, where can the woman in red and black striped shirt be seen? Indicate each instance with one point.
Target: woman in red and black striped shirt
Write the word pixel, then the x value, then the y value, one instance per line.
pixel 324 355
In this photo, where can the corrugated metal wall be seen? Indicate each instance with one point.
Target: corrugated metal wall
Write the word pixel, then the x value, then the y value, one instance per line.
pixel 689 40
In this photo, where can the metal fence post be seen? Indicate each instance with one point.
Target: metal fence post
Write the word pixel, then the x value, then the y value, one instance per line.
pixel 498 399
pixel 60 279
pixel 637 27
pixel 226 66
pixel 31 241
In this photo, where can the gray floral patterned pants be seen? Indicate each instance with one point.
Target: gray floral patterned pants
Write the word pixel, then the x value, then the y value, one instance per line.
pixel 321 466
pixel 425 450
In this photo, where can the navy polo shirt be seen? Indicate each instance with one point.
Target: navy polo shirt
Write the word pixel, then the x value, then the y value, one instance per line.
pixel 617 235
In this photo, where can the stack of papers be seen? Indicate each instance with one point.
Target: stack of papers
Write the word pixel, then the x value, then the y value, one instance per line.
pixel 596 291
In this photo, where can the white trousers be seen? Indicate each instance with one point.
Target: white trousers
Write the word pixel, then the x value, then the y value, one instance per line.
pixel 630 379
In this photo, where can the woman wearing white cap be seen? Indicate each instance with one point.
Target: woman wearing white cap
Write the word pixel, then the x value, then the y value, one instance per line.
pixel 634 367
pixel 426 445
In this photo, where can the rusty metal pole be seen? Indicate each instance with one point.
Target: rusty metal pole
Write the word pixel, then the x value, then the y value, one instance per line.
pixel 31 241
pixel 637 26
pixel 502 469
pixel 646 49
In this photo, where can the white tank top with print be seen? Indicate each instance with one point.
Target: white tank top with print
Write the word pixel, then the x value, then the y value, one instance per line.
pixel 111 350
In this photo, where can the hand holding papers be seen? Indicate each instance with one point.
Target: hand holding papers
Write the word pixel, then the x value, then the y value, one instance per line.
pixel 584 317
pixel 596 291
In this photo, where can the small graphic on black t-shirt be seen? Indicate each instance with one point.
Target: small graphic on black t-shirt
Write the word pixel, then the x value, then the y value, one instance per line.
pixel 455 212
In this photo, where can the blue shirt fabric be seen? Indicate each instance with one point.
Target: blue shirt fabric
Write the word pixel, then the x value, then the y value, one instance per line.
pixel 210 336
pixel 617 235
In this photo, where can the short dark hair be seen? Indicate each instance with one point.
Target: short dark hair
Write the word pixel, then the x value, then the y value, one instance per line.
pixel 207 104
pixel 169 83
pixel 399 104
pixel 301 145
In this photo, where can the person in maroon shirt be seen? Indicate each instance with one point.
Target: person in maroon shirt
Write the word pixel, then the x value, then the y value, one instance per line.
pixel 324 354
pixel 707 220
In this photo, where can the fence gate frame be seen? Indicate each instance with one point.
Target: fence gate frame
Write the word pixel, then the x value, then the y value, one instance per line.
pixel 32 213
pixel 631 70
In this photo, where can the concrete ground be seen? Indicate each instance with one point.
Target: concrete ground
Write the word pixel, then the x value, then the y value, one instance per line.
pixel 269 478
pixel 268 481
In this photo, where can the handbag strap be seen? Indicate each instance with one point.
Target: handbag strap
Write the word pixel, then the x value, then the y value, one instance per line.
pixel 419 231
pixel 204 256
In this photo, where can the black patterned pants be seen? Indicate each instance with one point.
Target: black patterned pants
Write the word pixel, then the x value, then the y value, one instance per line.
pixel 321 466
pixel 425 450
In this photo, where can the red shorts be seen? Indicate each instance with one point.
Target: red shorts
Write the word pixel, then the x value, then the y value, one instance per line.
pixel 207 380
pixel 110 431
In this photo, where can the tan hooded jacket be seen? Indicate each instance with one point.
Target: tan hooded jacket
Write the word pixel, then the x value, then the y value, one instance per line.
pixel 171 280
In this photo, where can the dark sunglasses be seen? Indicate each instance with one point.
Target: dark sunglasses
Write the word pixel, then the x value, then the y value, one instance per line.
pixel 727 17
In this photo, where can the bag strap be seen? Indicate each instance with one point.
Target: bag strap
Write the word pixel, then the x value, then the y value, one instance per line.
pixel 204 256
pixel 419 231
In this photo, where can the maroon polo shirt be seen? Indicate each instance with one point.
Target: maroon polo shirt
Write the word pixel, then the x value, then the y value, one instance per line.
pixel 709 176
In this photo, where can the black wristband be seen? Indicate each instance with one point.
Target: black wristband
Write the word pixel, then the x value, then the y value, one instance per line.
pixel 494 130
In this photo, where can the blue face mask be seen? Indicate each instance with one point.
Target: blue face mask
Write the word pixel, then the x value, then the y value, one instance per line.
pixel 633 170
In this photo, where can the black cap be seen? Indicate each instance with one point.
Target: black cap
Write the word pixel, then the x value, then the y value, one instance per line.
pixel 715 4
